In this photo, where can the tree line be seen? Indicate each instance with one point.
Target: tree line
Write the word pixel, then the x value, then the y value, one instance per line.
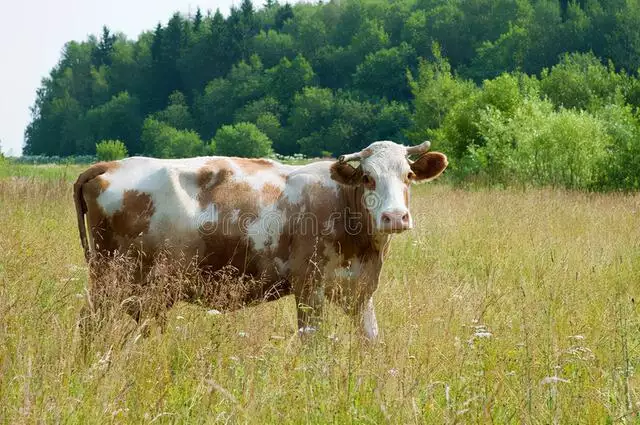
pixel 539 90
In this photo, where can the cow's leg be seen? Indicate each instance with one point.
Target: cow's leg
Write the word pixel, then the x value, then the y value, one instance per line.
pixel 92 314
pixel 368 320
pixel 309 305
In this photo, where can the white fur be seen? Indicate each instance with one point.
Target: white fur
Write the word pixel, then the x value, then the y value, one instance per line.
pixel 387 164
pixel 299 180
pixel 266 230
pixel 172 186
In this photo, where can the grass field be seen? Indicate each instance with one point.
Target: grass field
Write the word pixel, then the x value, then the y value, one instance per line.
pixel 502 306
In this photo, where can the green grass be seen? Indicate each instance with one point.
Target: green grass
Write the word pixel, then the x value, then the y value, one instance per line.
pixel 65 172
pixel 502 306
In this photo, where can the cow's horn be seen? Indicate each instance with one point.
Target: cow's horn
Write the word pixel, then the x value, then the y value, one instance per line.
pixel 419 149
pixel 350 157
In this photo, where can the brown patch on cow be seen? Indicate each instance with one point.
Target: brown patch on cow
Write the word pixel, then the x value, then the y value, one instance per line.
pixel 133 218
pixel 311 250
pixel 270 193
pixel 89 186
pixel 429 166
pixel 252 165
pixel 214 173
pixel 345 174
pixel 225 241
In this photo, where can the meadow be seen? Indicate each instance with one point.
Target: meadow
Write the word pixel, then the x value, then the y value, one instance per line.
pixel 501 306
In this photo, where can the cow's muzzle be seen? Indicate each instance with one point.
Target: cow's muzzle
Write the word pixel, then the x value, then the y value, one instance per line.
pixel 395 221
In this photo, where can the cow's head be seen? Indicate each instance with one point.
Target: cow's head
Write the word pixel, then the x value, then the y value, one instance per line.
pixel 385 173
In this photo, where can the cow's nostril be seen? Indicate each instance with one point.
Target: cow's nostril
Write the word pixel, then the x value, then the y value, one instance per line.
pixel 386 218
pixel 405 218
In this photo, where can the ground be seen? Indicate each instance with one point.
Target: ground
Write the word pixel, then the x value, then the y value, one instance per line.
pixel 504 306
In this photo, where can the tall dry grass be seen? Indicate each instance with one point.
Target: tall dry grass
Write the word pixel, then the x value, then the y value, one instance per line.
pixel 501 306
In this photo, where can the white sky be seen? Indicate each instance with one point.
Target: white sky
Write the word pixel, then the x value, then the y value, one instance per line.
pixel 33 32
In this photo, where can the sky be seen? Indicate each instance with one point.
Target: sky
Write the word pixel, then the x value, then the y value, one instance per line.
pixel 33 33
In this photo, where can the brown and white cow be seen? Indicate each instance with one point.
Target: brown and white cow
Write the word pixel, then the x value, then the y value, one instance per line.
pixel 318 231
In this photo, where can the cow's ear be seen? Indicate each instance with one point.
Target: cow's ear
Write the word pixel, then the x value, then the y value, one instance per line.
pixel 429 166
pixel 344 173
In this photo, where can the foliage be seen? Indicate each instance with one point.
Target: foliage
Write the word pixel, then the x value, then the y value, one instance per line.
pixel 163 141
pixel 110 150
pixel 581 81
pixel 176 114
pixel 243 139
pixel 334 76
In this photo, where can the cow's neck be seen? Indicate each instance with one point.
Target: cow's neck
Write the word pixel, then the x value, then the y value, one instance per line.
pixel 364 240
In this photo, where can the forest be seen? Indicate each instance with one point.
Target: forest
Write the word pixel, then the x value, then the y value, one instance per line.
pixel 541 92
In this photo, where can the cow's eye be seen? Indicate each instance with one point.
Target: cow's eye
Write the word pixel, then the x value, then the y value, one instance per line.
pixel 368 182
pixel 410 176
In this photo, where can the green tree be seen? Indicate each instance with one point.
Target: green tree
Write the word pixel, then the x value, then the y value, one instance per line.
pixel 176 114
pixel 272 46
pixel 384 73
pixel 242 139
pixel 252 110
pixel 436 91
pixel 222 97
pixel 312 110
pixel 283 14
pixel 581 81
pixel 197 20
pixel 289 77
pixel 163 141
pixel 118 119
pixel 270 125
pixel 101 54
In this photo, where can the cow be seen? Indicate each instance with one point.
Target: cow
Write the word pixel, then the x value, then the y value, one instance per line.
pixel 318 231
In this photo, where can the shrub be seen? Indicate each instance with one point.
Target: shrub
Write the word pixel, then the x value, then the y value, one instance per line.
pixel 163 141
pixel 620 168
pixel 110 150
pixel 538 145
pixel 243 139
pixel 581 81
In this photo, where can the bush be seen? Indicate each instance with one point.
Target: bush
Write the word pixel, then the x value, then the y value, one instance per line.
pixel 110 150
pixel 538 145
pixel 163 141
pixel 243 139
pixel 581 81
pixel 621 166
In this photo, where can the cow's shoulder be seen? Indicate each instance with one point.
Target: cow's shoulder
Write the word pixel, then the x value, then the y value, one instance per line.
pixel 311 185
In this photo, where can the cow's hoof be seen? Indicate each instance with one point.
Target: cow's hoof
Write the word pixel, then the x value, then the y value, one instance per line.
pixel 307 330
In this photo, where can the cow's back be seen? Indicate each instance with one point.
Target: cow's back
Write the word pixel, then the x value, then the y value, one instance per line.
pixel 193 208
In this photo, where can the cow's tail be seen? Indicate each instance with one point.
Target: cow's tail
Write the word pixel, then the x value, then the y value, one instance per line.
pixel 81 206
